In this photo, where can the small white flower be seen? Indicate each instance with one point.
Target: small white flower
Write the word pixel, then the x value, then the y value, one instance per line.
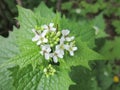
pixel 65 37
pixel 49 27
pixel 78 10
pixel 55 56
pixel 71 49
pixel 46 51
pixel 42 39
pixel 65 32
pixel 61 48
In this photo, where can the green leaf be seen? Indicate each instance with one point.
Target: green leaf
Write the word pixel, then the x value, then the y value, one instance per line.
pixel 84 79
pixel 111 49
pixel 28 78
pixel 44 14
pixel 116 24
pixel 8 47
pixel 67 5
pixel 104 74
pixel 99 26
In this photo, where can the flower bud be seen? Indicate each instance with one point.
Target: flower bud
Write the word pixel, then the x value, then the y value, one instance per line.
pixel 58 33
pixel 51 45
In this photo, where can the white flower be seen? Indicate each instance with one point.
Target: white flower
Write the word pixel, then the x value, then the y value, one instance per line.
pixel 65 32
pixel 55 56
pixel 71 49
pixel 42 39
pixel 78 11
pixel 46 51
pixel 49 27
pixel 61 48
pixel 65 37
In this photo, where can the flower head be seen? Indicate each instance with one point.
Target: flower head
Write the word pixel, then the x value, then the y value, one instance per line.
pixel 54 43
pixel 71 48
pixel 46 51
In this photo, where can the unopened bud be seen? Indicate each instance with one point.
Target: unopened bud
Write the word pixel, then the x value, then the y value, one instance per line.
pixel 58 33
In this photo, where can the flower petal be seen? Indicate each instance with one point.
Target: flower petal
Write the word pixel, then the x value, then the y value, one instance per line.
pixel 53 29
pixel 69 38
pixel 51 24
pixel 47 56
pixel 65 32
pixel 36 38
pixel 45 40
pixel 74 48
pixel 71 53
pixel 39 42
pixel 62 39
pixel 44 33
pixel 55 59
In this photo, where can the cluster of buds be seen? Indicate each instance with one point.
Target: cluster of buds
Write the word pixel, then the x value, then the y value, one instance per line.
pixel 49 70
pixel 53 43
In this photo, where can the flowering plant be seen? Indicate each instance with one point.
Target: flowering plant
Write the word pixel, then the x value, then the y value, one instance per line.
pixel 42 58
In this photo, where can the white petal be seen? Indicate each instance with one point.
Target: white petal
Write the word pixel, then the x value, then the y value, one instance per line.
pixel 68 39
pixel 55 59
pixel 36 38
pixel 45 27
pixel 71 53
pixel 48 50
pixel 59 54
pixel 62 39
pixel 43 47
pixel 33 30
pixel 41 52
pixel 47 56
pixel 74 48
pixel 57 47
pixel 44 33
pixel 39 42
pixel 67 47
pixel 51 24
pixel 51 55
pixel 65 32
pixel 53 29
pixel 62 52
pixel 72 38
pixel 45 40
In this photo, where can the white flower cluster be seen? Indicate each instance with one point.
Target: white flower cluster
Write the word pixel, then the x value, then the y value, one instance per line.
pixel 53 43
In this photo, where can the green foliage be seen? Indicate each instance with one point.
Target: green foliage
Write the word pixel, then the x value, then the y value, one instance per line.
pixel 116 24
pixel 99 23
pixel 25 67
pixel 111 49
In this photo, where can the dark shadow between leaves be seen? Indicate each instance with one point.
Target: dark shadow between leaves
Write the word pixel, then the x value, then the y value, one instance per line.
pixel 82 77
